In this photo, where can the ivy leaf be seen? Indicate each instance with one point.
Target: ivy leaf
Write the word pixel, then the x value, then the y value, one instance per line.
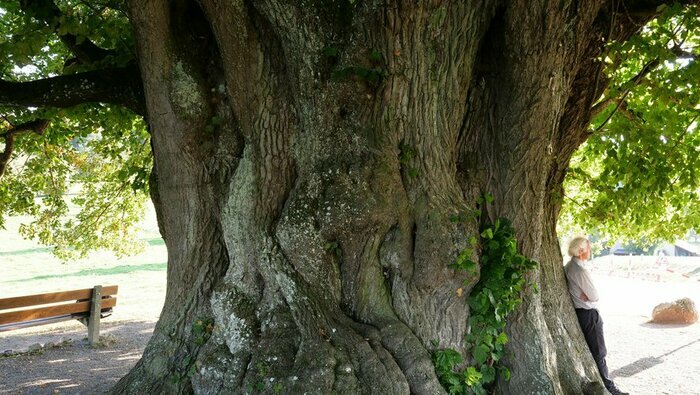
pixel 502 338
pixel 481 353
pixel 488 374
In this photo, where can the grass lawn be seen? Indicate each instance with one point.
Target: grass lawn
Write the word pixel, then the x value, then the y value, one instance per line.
pixel 30 268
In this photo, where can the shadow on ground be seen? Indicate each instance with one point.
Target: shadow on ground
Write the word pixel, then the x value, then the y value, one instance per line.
pixel 73 367
pixel 654 325
pixel 122 269
pixel 645 363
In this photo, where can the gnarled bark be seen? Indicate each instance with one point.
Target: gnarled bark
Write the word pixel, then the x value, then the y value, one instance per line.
pixel 308 158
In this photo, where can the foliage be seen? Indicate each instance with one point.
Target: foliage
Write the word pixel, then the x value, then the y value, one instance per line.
pixel 202 330
pixel 637 175
pixel 98 154
pixel 406 155
pixel 497 294
pixel 372 75
pixel 333 248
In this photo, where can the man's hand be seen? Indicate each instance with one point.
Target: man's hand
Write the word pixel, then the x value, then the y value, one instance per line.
pixel 584 297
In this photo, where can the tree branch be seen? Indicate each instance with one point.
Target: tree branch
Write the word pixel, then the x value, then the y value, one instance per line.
pixel 37 126
pixel 685 131
pixel 634 81
pixel 683 54
pixel 48 12
pixel 120 86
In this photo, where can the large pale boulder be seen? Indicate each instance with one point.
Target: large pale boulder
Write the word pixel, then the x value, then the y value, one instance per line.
pixel 682 311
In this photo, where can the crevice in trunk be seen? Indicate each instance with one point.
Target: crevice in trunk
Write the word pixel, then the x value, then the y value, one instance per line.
pixel 276 160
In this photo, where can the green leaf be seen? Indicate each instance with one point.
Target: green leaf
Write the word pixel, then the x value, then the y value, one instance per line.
pixel 487 233
pixel 504 372
pixel 481 353
pixel 472 376
pixel 488 374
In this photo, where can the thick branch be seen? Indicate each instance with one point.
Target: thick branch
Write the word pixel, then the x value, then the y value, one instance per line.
pixel 37 126
pixel 47 11
pixel 121 86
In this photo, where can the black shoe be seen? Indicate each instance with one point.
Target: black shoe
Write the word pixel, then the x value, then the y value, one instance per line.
pixel 616 391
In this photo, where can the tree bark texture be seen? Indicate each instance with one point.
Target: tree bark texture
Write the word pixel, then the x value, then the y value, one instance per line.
pixel 308 157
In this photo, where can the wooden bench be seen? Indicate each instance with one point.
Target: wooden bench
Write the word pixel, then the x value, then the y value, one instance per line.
pixel 86 305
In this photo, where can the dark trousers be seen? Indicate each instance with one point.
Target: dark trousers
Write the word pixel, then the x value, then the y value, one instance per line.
pixel 592 327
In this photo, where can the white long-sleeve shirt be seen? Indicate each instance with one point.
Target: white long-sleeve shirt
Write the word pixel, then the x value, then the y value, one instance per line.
pixel 580 281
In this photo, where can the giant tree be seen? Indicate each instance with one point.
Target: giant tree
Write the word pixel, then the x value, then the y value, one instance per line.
pixel 308 157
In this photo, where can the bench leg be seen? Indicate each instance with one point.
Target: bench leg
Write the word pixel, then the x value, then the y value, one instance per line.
pixel 94 320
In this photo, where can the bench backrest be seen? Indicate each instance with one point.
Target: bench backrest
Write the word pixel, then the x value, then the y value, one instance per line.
pixel 66 304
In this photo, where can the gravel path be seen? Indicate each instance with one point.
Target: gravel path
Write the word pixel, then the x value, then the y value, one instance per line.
pixel 71 366
pixel 645 358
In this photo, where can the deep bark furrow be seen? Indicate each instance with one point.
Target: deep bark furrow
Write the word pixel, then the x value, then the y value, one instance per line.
pixel 346 136
pixel 191 167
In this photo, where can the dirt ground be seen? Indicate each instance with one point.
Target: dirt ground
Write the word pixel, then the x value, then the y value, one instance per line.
pixel 643 358
pixel 72 366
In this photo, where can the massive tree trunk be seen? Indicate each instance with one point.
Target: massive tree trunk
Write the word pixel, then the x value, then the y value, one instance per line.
pixel 308 157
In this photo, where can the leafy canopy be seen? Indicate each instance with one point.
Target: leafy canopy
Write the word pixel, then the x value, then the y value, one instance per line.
pixel 84 179
pixel 636 178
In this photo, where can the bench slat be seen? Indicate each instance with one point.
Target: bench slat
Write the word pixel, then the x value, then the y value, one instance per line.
pixel 41 321
pixel 45 312
pixel 53 297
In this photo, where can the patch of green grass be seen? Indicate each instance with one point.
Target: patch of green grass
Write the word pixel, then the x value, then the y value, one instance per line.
pixel 38 250
pixel 122 269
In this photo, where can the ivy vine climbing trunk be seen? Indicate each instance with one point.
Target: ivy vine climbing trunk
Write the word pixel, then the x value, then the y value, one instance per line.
pixel 308 157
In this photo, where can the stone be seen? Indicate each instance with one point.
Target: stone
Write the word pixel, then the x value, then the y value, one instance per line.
pixel 682 311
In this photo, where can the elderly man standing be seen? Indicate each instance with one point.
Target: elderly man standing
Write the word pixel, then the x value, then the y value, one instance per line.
pixel 585 298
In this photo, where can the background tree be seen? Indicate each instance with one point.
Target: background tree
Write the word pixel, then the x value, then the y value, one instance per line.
pixel 635 177
pixel 308 157
pixel 84 105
